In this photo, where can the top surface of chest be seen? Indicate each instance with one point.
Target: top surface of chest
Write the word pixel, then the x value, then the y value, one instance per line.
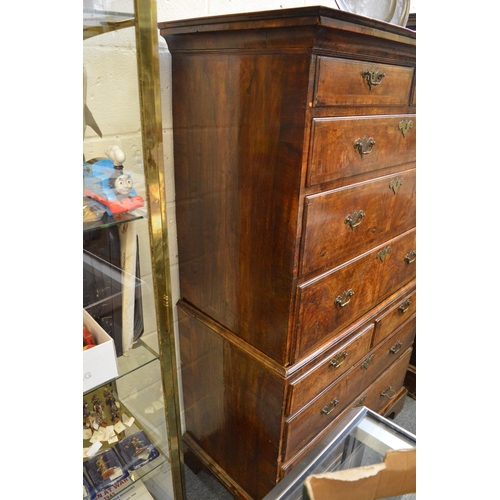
pixel 282 18
pixel 298 29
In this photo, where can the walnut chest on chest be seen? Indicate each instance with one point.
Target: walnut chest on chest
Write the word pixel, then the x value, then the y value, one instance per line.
pixel 294 150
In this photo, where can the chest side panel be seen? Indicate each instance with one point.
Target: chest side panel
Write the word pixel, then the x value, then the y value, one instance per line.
pixel 238 138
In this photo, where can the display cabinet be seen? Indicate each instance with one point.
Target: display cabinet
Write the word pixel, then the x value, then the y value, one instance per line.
pixel 131 417
pixel 362 438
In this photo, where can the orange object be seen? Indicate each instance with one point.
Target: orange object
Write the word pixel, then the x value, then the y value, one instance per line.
pixel 88 340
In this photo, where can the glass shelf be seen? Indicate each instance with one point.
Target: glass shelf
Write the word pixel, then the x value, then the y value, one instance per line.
pixel 112 220
pixel 140 355
pixel 151 427
pixel 97 22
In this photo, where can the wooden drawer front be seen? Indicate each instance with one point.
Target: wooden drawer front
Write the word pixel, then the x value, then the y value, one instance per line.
pixel 344 147
pixel 328 405
pixel 332 301
pixel 395 316
pixel 380 393
pixel 342 82
pixel 343 357
pixel 383 356
pixel 345 222
pixel 320 413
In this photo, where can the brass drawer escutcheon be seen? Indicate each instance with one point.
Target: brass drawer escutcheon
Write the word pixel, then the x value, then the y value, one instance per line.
pixel 338 359
pixel 373 77
pixel 330 406
pixel 395 184
pixel 385 393
pixel 365 145
pixel 396 347
pixel 405 305
pixel 410 257
pixel 344 299
pixel 405 126
pixel 383 253
pixel 367 361
pixel 355 218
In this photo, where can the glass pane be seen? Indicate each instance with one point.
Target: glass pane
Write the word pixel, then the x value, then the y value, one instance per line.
pixel 362 439
pixel 125 432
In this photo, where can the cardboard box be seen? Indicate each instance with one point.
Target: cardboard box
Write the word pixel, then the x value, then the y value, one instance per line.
pixel 396 475
pixel 99 363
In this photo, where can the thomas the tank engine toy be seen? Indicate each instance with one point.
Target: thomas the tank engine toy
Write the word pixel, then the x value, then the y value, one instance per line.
pixel 105 181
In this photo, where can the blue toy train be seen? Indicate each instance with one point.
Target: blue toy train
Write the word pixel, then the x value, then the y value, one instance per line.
pixel 111 186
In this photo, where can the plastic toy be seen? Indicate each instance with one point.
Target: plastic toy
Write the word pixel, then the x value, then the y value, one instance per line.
pixel 137 450
pixel 105 181
pixel 105 470
pixel 101 417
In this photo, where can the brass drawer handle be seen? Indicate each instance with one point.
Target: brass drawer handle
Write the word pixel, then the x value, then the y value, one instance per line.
pixel 354 219
pixel 338 359
pixel 367 361
pixel 373 77
pixel 405 305
pixel 360 402
pixel 395 184
pixel 344 299
pixel 410 257
pixel 385 393
pixel 396 347
pixel 364 146
pixel 330 406
pixel 383 253
pixel 405 126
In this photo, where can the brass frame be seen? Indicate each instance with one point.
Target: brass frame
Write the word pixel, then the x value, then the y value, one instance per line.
pixel 146 33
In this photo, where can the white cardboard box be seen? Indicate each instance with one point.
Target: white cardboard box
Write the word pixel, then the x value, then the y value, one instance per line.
pixel 99 363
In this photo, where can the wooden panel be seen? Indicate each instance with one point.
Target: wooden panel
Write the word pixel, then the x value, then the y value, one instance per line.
pixel 411 380
pixel 341 82
pixel 369 278
pixel 388 322
pixel 388 205
pixel 414 92
pixel 232 406
pixel 334 154
pixel 238 152
pixel 336 363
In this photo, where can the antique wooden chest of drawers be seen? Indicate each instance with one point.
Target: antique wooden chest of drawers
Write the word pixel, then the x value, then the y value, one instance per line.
pixel 294 150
